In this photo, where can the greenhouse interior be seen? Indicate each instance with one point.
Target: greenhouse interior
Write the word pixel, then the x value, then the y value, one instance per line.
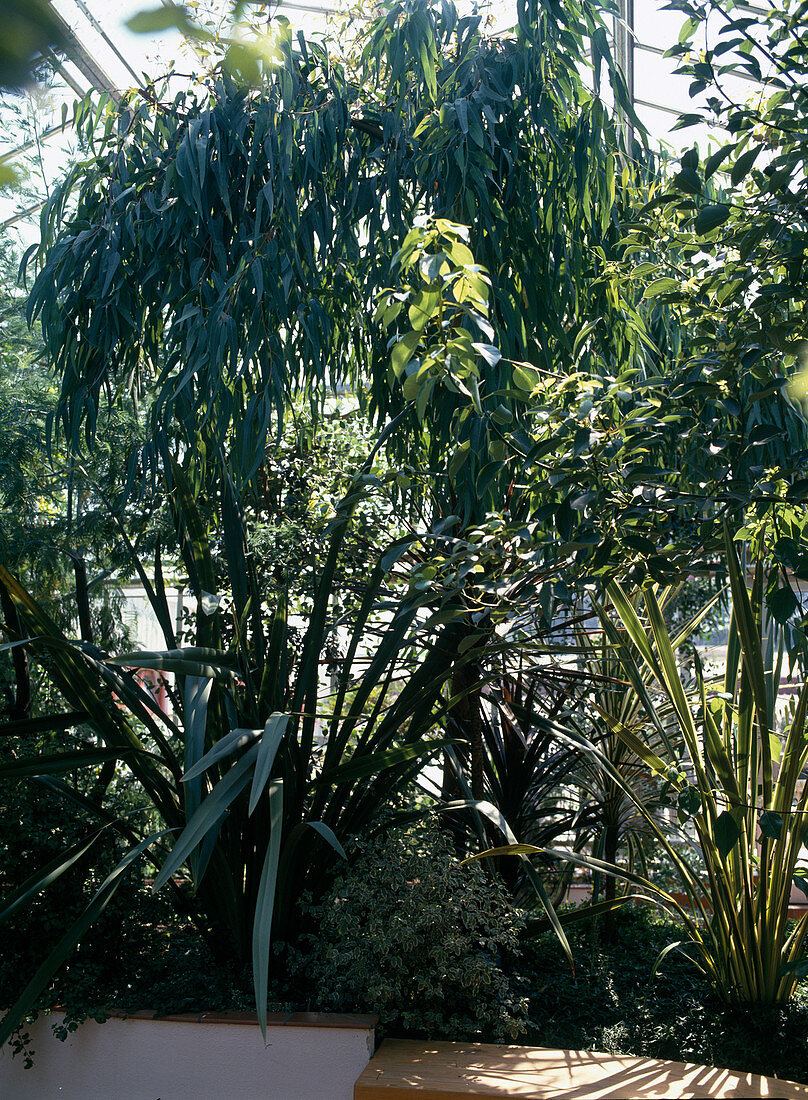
pixel 403 578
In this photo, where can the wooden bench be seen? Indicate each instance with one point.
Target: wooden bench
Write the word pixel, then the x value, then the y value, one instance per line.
pixel 402 1068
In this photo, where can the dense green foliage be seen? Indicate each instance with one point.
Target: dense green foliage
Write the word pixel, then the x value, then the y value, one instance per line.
pixel 410 934
pixel 722 245
pixel 286 204
pixel 261 798
pixel 540 403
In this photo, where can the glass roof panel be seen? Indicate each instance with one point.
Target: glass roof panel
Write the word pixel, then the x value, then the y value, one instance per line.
pixel 101 28
pixel 126 59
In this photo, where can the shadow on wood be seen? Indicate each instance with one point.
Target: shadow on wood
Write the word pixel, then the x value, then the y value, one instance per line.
pixel 442 1071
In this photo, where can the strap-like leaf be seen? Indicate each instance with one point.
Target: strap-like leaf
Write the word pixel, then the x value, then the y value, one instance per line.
pixel 586 912
pixel 265 904
pixel 233 741
pixel 47 723
pixel 633 742
pixel 487 810
pixel 42 878
pixel 670 678
pixel 363 765
pixel 59 764
pixel 208 816
pixel 634 628
pixel 328 835
pixel 271 738
pixel 197 694
pixel 193 661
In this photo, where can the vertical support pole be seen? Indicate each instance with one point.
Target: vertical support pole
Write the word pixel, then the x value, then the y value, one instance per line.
pixel 624 54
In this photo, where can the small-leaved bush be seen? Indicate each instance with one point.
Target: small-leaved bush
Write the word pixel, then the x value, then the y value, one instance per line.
pixel 411 934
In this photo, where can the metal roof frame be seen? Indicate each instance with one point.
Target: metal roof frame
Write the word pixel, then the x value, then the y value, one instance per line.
pixel 75 50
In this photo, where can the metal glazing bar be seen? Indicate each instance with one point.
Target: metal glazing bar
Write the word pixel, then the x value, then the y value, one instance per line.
pixel 624 40
pixel 624 51
pixel 80 4
pixel 311 9
pixel 87 66
pixel 66 75
pixel 21 215
pixel 658 107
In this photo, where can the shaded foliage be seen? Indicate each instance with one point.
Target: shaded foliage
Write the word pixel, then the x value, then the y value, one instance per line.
pixel 731 228
pixel 426 943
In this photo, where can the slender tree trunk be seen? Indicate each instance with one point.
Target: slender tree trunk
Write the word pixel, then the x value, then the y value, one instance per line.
pixel 467 720
pixel 83 598
pixel 611 844
pixel 21 704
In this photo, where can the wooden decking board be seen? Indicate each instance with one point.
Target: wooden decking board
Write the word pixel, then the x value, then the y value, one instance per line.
pixel 404 1068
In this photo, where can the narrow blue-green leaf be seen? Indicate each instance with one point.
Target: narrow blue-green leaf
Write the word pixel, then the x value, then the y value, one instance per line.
pixel 487 810
pixel 265 904
pixel 237 739
pixel 197 694
pixel 58 764
pixel 42 878
pixel 208 816
pixel 327 835
pixel 13 645
pixel 182 662
pixel 270 741
pixel 365 765
pixel 48 722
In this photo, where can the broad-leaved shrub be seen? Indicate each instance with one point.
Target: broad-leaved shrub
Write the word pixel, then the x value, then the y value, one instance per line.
pixel 411 934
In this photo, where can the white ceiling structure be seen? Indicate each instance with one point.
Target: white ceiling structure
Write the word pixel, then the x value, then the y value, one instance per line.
pixel 103 55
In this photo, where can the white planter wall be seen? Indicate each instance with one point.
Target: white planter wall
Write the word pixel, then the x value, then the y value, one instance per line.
pixel 218 1057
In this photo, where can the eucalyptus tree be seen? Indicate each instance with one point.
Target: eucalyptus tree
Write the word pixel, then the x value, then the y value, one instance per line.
pixel 228 246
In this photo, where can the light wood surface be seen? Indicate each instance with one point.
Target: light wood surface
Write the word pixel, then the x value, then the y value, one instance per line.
pixel 405 1069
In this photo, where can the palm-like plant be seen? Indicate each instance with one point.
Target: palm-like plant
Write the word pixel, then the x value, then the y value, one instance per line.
pixel 715 746
pixel 611 814
pixel 527 771
pixel 740 785
pixel 254 779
